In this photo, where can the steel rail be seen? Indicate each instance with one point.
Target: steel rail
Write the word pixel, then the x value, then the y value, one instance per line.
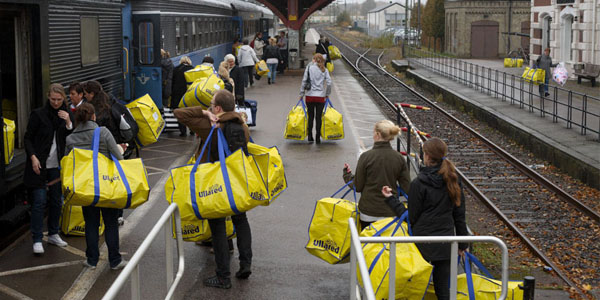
pixel 501 152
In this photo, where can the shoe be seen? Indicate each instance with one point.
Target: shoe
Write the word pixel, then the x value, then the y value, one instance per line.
pixel 318 140
pixel 310 139
pixel 88 265
pixel 243 273
pixel 121 265
pixel 38 248
pixel 547 94
pixel 269 80
pixel 216 281
pixel 56 240
pixel 121 221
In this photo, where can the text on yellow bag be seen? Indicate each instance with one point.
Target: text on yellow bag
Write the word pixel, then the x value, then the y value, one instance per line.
pixel 149 120
pixel 295 126
pixel 270 165
pixel 332 123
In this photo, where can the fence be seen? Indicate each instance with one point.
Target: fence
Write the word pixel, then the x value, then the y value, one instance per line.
pixel 357 256
pixel 572 108
pixel 132 268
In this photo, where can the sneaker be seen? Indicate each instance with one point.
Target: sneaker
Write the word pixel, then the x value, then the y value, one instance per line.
pixel 56 240
pixel 121 221
pixel 38 248
pixel 216 281
pixel 243 273
pixel 88 265
pixel 121 265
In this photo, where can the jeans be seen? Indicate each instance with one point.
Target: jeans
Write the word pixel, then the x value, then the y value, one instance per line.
pixel 546 84
pixel 221 248
pixel 272 72
pixel 441 278
pixel 53 196
pixel 91 216
pixel 314 108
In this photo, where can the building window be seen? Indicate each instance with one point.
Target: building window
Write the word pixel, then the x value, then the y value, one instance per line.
pixel 146 42
pixel 566 38
pixel 90 49
pixel 546 32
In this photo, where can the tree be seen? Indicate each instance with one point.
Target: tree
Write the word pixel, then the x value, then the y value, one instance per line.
pixel 433 19
pixel 414 16
pixel 367 6
pixel 343 19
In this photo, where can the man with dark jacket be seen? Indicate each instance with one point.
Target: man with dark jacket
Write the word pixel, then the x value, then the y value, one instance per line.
pixel 236 133
pixel 180 86
pixel 166 66
pixel 544 62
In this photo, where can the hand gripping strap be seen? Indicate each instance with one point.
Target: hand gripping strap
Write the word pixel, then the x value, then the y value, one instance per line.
pixel 225 173
pixel 193 177
pixel 95 146
pixel 123 179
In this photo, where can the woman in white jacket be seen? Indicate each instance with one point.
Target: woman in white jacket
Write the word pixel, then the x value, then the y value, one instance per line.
pixel 258 44
pixel 316 85
pixel 247 59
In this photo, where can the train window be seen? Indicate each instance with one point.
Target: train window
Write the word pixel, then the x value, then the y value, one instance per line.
pixel 211 29
pixel 90 49
pixel 177 36
pixel 199 36
pixel 146 42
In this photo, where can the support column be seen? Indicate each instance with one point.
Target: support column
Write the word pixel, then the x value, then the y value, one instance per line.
pixel 294 49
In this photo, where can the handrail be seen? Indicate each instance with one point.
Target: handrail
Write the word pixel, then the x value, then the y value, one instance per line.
pixel 356 254
pixel 172 213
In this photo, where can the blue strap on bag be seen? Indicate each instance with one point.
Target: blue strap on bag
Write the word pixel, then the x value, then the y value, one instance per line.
pixel 193 172
pixel 468 259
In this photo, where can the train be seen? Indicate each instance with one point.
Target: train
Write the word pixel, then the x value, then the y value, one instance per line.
pixel 116 42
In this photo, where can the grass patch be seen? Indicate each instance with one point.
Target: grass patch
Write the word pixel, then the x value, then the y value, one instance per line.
pixel 410 82
pixel 382 42
pixel 439 98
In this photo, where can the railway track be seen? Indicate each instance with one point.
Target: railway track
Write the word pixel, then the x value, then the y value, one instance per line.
pixel 561 230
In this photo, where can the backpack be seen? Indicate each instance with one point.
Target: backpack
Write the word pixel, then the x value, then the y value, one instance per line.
pixel 252 44
pixel 235 136
pixel 118 109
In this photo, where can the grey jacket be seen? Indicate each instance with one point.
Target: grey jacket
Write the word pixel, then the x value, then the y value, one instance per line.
pixel 247 56
pixel 317 82
pixel 545 62
pixel 83 135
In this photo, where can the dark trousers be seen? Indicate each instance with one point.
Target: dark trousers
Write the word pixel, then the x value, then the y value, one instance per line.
pixel 52 196
pixel 364 224
pixel 284 57
pixel 182 128
pixel 314 108
pixel 91 215
pixel 221 248
pixel 249 80
pixel 441 278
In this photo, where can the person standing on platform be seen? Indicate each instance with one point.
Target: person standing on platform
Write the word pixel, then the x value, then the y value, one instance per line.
pixel 258 44
pixel 237 136
pixel 247 59
pixel 235 76
pixel 272 57
pixel 282 43
pixel 180 87
pixel 436 207
pixel 166 66
pixel 316 86
pixel 544 62
pixel 76 95
pixel 380 166
pixel 82 137
pixel 322 49
pixel 224 69
pixel 44 140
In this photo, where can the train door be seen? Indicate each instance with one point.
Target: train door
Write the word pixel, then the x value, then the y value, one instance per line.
pixel 146 45
pixel 127 55
pixel 237 27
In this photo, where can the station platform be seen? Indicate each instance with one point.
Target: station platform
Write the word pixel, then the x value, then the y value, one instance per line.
pixel 576 154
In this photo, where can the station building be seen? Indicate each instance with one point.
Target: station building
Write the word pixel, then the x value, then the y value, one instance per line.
pixel 384 16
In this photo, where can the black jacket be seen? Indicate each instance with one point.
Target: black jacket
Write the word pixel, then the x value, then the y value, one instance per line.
pixel 179 86
pixel 238 79
pixel 166 66
pixel 432 213
pixel 271 52
pixel 38 140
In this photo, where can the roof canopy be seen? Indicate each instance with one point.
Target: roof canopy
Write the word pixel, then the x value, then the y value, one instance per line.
pixel 293 13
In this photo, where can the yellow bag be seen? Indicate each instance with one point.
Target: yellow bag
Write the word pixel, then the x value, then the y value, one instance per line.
pixel 90 178
pixel 200 71
pixel 513 62
pixel 412 271
pixel 329 232
pixel 72 223
pixel 295 127
pixel 201 91
pixel 227 187
pixel 536 76
pixel 9 139
pixel 196 230
pixel 261 68
pixel 334 52
pixel 270 164
pixel 329 67
pixel 332 123
pixel 149 120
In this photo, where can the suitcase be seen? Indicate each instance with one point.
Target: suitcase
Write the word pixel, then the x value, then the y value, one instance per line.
pixel 250 107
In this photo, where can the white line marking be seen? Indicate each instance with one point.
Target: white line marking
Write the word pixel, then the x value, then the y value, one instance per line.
pixel 162 151
pixel 13 293
pixel 67 248
pixel 39 268
pixel 153 168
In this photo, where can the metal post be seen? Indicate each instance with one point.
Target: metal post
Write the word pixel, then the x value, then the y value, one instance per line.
pixel 169 253
pixel 528 287
pixel 453 269
pixel 570 110
pixel 583 115
pixel 392 272
pixel 135 284
pixel 352 273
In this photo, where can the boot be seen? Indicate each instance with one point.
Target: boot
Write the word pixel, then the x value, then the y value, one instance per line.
pixel 218 282
pixel 310 138
pixel 244 272
pixel 269 80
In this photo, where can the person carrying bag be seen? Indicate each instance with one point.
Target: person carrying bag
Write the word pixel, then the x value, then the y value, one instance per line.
pixel 316 86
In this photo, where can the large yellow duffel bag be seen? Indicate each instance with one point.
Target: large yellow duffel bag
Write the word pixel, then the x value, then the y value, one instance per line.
pixel 149 120
pixel 295 126
pixel 332 123
pixel 223 188
pixel 200 71
pixel 334 52
pixel 329 231
pixel 412 271
pixel 72 222
pixel 270 164
pixel 513 62
pixel 91 179
pixel 9 139
pixel 196 230
pixel 536 76
pixel 201 91
pixel 329 66
pixel 261 68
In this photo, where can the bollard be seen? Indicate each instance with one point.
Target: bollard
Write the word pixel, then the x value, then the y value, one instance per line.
pixel 528 287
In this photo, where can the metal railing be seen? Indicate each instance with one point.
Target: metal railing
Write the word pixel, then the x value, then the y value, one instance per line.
pixel 132 268
pixel 357 256
pixel 571 107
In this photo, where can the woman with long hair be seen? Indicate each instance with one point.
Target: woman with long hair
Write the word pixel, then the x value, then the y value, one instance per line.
pixel 272 57
pixel 316 86
pixel 82 137
pixel 382 165
pixel 436 207
pixel 44 140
